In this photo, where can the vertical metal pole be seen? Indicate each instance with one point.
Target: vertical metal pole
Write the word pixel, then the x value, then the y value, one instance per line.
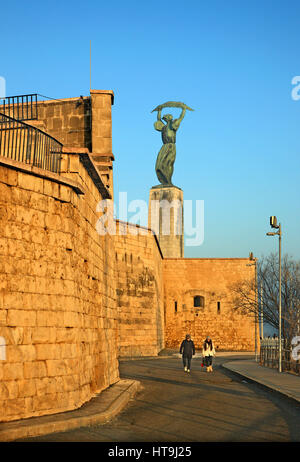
pixel 256 306
pixel 279 311
pixel 261 311
pixel 90 65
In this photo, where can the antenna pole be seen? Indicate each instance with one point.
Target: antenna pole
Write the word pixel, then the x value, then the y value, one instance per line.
pixel 90 65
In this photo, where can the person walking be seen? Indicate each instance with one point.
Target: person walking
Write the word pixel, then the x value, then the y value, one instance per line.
pixel 187 349
pixel 208 352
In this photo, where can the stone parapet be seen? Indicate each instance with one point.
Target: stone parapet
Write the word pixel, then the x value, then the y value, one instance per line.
pixel 82 122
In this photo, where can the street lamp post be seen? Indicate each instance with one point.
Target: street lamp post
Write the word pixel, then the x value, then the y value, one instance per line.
pixel 256 303
pixel 273 223
pixel 261 310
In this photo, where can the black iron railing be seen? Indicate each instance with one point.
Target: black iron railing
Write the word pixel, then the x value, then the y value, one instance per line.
pixel 25 143
pixel 269 355
pixel 21 107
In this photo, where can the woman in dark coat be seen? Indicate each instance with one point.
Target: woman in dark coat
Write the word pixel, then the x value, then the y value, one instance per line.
pixel 187 349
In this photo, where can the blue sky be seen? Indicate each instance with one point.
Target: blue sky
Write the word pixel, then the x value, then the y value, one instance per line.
pixel 233 62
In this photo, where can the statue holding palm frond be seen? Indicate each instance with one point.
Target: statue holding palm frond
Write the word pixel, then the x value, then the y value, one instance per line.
pixel 166 157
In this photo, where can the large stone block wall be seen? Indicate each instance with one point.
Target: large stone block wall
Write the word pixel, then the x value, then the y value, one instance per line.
pixel 101 102
pixel 82 122
pixel 101 133
pixel 210 278
pixel 67 120
pixel 139 292
pixel 58 314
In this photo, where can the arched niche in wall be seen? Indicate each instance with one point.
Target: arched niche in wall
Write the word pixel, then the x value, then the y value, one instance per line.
pixel 199 301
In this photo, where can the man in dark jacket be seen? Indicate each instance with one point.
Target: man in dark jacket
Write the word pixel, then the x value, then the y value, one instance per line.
pixel 187 349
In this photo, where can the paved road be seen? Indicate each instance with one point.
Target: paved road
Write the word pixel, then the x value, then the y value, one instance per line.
pixel 174 406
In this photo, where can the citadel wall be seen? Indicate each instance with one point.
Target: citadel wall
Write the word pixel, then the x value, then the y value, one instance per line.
pixel 73 301
pixel 139 291
pixel 82 122
pixel 58 315
pixel 206 282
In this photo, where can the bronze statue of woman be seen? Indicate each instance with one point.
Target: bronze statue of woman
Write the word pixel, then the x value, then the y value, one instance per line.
pixel 166 157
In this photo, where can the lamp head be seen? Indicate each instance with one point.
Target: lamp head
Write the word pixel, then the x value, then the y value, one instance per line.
pixel 273 222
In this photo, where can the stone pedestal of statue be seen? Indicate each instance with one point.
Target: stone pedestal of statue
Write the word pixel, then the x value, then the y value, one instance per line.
pixel 165 218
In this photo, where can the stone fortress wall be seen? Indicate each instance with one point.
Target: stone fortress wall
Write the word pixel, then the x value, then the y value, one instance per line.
pixel 72 301
pixel 198 301
pixel 83 122
pixel 57 291
pixel 139 291
pixel 67 120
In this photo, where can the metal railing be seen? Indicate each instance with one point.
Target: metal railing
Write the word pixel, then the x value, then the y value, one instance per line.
pixel 25 143
pixel 269 355
pixel 21 107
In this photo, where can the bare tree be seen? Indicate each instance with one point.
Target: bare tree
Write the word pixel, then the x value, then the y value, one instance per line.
pixel 267 291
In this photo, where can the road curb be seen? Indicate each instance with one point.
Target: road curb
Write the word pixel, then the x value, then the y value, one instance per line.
pixel 38 426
